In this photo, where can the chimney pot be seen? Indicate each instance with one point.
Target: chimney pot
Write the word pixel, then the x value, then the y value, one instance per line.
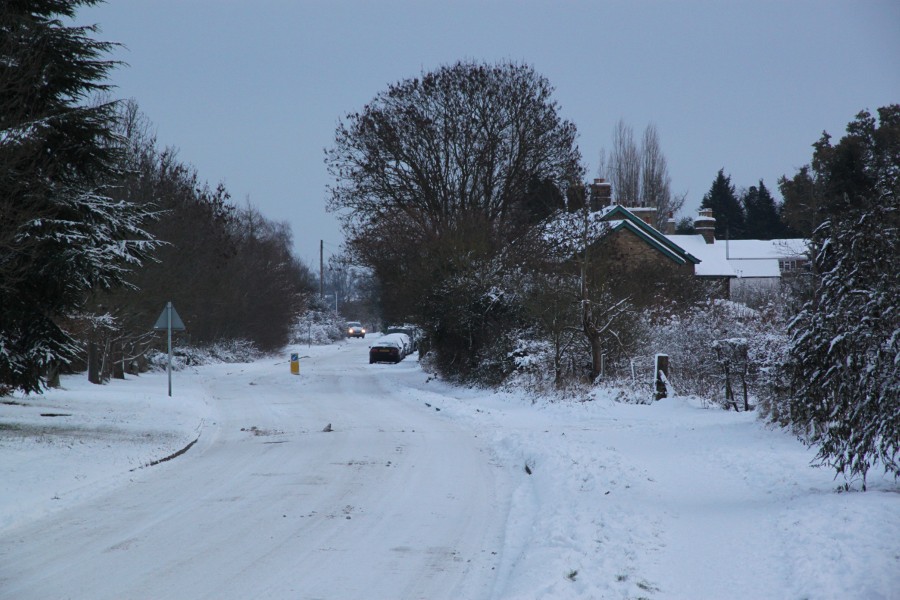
pixel 600 194
pixel 705 225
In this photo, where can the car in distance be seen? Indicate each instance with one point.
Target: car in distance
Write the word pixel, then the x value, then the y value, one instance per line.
pixel 355 329
pixel 388 348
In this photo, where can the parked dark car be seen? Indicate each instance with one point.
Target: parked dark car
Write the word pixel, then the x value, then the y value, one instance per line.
pixel 388 348
pixel 411 331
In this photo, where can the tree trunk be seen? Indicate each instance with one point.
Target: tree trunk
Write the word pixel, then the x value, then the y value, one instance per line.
pixel 118 368
pixel 53 374
pixel 106 361
pixel 596 351
pixel 93 363
pixel 744 385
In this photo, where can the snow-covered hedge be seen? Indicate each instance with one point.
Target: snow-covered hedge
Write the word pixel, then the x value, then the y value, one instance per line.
pixel 319 325
pixel 696 340
pixel 230 351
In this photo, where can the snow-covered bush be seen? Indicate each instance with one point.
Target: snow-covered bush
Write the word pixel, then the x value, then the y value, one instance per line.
pixel 228 351
pixel 703 341
pixel 471 321
pixel 532 361
pixel 318 325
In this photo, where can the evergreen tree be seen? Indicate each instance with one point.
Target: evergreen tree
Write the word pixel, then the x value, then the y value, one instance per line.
pixel 762 219
pixel 846 345
pixel 800 209
pixel 61 235
pixel 841 176
pixel 685 226
pixel 723 201
pixel 844 362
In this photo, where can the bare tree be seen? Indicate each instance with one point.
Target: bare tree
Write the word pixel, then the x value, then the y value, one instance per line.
pixel 437 179
pixel 655 181
pixel 640 175
pixel 229 270
pixel 625 166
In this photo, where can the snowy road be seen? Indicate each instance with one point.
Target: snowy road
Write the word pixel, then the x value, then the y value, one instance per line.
pixel 420 491
pixel 395 502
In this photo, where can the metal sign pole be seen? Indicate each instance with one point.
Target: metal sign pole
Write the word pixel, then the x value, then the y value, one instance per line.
pixel 169 366
pixel 169 321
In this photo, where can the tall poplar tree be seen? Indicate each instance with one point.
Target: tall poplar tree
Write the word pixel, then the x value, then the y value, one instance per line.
pixel 61 235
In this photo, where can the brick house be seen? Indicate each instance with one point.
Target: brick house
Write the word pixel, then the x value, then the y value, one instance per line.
pixel 732 267
pixel 637 255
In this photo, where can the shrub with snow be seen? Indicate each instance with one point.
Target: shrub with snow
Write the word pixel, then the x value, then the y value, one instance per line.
pixel 710 337
pixel 228 351
pixel 318 325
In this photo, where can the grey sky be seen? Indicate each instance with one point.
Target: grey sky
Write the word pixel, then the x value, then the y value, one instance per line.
pixel 250 91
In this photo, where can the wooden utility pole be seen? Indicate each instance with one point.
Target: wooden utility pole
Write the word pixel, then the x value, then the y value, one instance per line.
pixel 321 269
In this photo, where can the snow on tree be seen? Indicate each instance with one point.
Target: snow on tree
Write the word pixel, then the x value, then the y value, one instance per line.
pixel 844 362
pixel 61 235
pixel 719 350
pixel 846 346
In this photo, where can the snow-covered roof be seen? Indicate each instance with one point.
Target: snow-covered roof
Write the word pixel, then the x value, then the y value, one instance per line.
pixel 732 258
pixel 740 258
pixel 659 242
pixel 755 249
pixel 712 256
pixel 755 267
pixel 650 234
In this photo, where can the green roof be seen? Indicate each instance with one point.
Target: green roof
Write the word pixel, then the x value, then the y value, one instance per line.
pixel 627 220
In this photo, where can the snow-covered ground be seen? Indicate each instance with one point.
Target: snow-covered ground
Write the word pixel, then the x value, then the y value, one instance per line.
pixel 420 490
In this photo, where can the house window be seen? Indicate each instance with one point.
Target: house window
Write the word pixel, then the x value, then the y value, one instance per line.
pixel 791 265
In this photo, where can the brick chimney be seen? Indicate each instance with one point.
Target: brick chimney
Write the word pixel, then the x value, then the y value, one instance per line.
pixel 647 214
pixel 601 194
pixel 705 225
pixel 670 224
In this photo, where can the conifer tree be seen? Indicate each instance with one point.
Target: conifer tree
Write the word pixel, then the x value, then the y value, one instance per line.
pixel 799 212
pixel 723 201
pixel 844 361
pixel 761 213
pixel 61 235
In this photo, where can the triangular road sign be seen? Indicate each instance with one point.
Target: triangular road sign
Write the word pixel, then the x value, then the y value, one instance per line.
pixel 162 323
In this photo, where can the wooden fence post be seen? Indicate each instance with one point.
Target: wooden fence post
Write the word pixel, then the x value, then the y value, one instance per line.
pixel 661 370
